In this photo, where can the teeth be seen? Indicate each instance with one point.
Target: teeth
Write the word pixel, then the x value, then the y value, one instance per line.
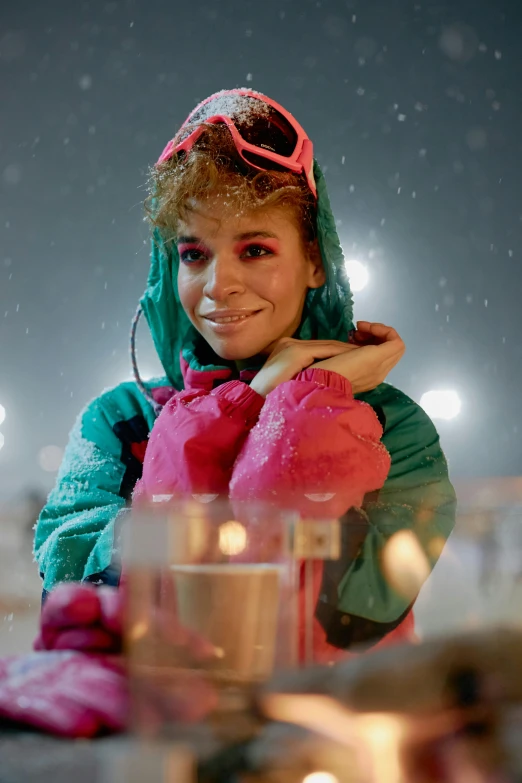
pixel 230 319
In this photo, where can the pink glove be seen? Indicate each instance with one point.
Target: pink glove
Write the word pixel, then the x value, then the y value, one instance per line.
pixel 85 618
pixel 66 693
pixel 81 617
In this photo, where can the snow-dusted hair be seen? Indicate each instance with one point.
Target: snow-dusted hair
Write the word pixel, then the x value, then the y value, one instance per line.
pixel 214 169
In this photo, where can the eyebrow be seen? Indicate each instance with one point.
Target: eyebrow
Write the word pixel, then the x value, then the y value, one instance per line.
pixel 254 234
pixel 188 240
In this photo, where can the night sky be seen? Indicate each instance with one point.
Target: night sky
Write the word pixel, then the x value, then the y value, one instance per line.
pixel 415 110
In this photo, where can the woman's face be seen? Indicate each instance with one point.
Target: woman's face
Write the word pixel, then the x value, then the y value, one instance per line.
pixel 243 279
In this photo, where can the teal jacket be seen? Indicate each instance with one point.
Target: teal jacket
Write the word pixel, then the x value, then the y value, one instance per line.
pixel 77 532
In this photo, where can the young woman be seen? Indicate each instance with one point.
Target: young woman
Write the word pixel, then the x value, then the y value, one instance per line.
pixel 269 391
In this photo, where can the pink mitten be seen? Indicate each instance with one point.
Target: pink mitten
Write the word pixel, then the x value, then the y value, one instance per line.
pixel 71 604
pixel 66 693
pixel 72 693
pixel 111 608
pixel 81 617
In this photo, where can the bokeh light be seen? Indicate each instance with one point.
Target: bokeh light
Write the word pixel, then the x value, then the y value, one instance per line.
pixel 381 737
pixel 232 538
pixel 443 404
pixel 1 441
pixel 405 565
pixel 50 458
pixel 357 274
pixel 320 777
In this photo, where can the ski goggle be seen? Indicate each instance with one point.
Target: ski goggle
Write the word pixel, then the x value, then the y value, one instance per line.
pixel 266 136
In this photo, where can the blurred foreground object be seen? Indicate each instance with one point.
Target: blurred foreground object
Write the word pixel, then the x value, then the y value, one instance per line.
pixel 151 763
pixel 477 582
pixel 444 710
pixel 83 618
pixel 221 594
pixel 67 693
pixel 210 611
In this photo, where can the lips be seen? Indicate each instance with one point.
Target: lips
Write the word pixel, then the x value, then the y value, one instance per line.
pixel 228 316
pixel 229 319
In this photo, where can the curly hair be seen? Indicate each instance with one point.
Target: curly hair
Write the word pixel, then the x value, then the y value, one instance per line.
pixel 213 167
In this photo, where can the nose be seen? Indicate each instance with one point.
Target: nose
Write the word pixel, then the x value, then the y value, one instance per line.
pixel 224 278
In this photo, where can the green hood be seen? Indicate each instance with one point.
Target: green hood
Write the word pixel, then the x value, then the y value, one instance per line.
pixel 328 311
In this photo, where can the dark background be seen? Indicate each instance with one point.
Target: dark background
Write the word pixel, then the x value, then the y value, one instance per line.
pixel 422 101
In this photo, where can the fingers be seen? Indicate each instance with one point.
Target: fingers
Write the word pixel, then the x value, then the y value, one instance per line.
pixel 382 331
pixel 322 349
pixel 87 640
pixel 366 332
pixel 386 337
pixel 172 632
pixel 81 617
pixel 327 350
pixel 389 357
pixel 391 351
pixel 286 342
pixel 71 604
pixel 300 354
pixel 111 609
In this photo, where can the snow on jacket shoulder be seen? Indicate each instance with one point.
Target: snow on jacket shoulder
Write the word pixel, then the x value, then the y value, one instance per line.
pixel 75 533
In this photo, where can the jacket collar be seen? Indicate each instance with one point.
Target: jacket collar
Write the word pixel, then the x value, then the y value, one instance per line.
pixel 202 379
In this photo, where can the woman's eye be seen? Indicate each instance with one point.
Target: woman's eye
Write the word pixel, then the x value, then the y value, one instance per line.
pixel 191 255
pixel 256 251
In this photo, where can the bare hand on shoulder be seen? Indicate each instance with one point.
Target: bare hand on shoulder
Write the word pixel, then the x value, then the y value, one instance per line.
pixel 291 356
pixel 377 349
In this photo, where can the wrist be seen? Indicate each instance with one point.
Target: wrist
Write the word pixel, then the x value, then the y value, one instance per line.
pixel 240 399
pixel 257 385
pixel 326 377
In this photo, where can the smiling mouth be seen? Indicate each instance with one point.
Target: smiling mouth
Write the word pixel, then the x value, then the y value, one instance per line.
pixel 229 324
pixel 229 319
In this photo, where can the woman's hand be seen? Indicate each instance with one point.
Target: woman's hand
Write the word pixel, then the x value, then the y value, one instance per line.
pixel 88 619
pixel 291 356
pixel 376 350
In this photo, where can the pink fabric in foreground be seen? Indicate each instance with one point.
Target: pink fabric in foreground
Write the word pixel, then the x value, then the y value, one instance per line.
pixel 68 693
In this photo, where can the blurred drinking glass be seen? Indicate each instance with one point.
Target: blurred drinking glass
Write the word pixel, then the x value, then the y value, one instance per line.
pixel 211 610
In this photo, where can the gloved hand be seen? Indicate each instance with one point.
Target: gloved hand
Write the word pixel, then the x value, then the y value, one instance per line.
pixel 67 693
pixel 87 619
pixel 81 617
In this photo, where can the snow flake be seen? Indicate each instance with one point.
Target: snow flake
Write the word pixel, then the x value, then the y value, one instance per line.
pixel 85 82
pixel 12 174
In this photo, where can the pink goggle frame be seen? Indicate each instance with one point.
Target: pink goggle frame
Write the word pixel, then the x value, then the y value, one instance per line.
pixel 300 161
